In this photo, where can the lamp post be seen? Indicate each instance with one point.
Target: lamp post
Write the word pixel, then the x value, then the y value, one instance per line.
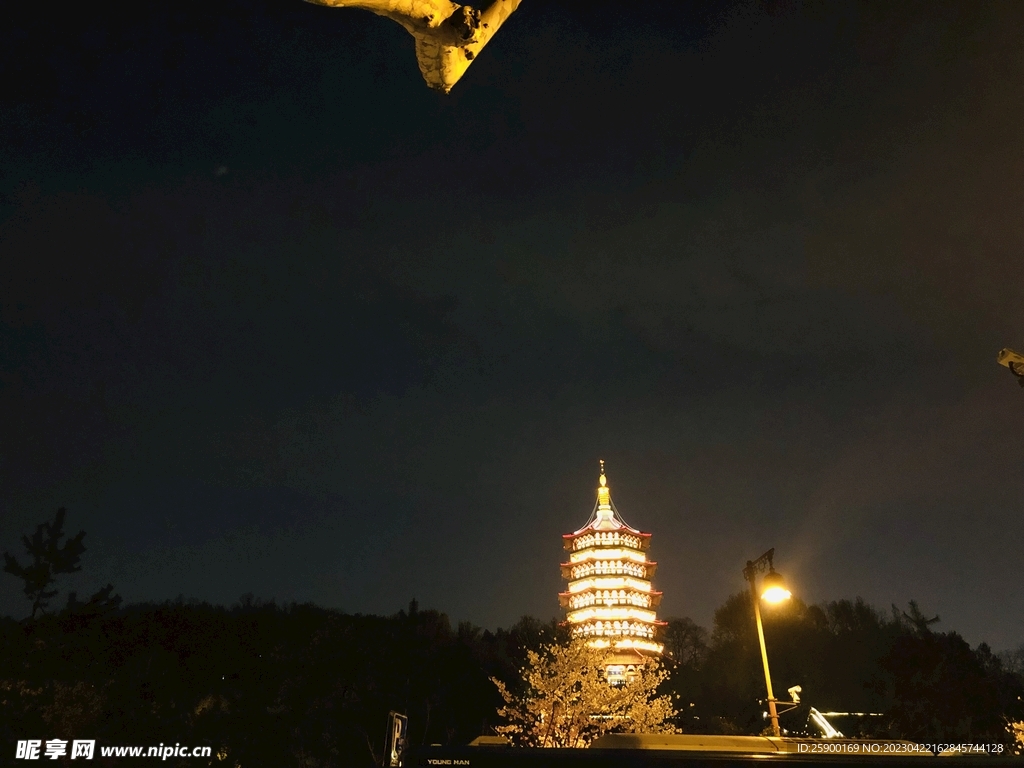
pixel 773 590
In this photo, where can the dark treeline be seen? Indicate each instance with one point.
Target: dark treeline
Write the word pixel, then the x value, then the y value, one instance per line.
pixel 909 679
pixel 269 685
pixel 301 685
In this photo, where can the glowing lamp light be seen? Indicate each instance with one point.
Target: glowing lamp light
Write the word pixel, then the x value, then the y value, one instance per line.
pixel 773 588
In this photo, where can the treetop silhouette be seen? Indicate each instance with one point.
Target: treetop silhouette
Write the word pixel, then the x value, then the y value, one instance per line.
pixel 48 559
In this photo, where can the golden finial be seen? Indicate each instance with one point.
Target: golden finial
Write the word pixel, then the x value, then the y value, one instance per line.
pixel 604 497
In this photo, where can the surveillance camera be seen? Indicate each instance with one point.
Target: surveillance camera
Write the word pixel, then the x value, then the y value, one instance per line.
pixel 794 692
pixel 1008 357
pixel 1014 361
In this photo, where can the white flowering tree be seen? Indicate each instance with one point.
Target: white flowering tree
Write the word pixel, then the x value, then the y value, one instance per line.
pixel 1017 730
pixel 565 700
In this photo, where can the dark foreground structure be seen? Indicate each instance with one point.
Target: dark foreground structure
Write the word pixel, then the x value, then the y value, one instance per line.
pixel 625 751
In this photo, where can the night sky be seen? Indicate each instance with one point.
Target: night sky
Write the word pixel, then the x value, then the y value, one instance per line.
pixel 277 319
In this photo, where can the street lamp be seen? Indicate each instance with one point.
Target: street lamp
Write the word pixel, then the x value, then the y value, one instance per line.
pixel 773 590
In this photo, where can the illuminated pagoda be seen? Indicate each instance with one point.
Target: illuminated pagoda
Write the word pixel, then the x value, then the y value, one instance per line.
pixel 609 598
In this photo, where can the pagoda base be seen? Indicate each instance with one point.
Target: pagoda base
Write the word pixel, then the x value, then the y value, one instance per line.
pixel 621 664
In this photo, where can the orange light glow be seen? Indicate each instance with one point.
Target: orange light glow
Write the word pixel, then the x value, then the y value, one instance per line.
pixel 776 594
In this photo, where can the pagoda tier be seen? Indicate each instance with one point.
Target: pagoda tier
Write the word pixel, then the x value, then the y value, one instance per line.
pixel 584 539
pixel 609 599
pixel 610 567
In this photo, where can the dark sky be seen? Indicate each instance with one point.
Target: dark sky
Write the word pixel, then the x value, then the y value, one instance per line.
pixel 277 319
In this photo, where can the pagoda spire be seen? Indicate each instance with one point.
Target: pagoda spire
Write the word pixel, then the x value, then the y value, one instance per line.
pixel 604 515
pixel 604 493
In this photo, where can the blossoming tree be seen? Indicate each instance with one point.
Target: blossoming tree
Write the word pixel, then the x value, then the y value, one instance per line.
pixel 565 700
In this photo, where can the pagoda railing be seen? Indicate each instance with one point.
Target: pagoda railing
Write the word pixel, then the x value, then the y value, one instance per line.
pixel 614 629
pixel 604 567
pixel 610 597
pixel 606 539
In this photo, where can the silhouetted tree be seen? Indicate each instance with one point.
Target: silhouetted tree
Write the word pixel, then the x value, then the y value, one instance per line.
pixel 686 642
pixel 1013 661
pixel 48 558
pixel 686 651
pixel 915 621
pixel 943 690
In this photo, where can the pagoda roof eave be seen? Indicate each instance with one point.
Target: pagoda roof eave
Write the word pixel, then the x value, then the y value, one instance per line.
pixel 652 564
